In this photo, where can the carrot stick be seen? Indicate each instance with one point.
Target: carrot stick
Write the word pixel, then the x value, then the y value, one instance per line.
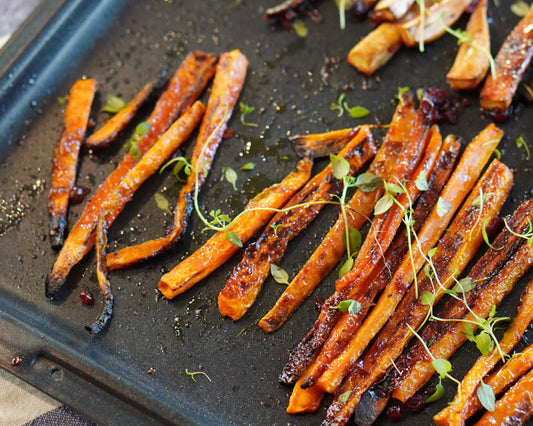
pixel 167 144
pixel 455 250
pixel 227 86
pixel 516 406
pixel 217 250
pixel 457 412
pixel 447 342
pixel 66 155
pixel 247 278
pixel 512 60
pixel 186 85
pixel 322 144
pixel 109 131
pixel 507 374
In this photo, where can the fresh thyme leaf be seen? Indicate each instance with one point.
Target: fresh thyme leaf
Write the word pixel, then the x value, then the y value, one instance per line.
pixel 442 367
pixel 468 332
pixel 427 298
pixel 484 343
pixel 383 204
pixel 367 182
pixel 521 143
pixel 246 110
pixel 428 272
pixel 300 28
pixel 392 188
pixel 131 145
pixel 432 252
pixel 248 166
pixel 464 285
pixel 230 175
pixel 62 100
pixel 135 152
pixel 234 238
pixel 481 200
pixel 351 306
pixel 356 111
pixel 355 239
pixel 338 106
pixel 162 202
pixel 279 274
pixel 346 266
pixel 438 394
pixel 343 397
pixel 113 104
pixel 340 166
pixel 443 206
pixel 422 182
pixel 520 8
pixel 486 396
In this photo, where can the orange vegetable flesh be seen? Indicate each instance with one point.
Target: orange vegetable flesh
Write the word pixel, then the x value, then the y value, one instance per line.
pixel 227 85
pixel 217 250
pixel 186 85
pixel 458 411
pixel 322 144
pixel 66 156
pixel 108 132
pixel 248 276
pixel 447 342
pixel 167 144
pixel 454 251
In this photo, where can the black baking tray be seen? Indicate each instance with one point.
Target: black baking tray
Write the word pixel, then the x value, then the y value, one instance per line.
pixel 135 372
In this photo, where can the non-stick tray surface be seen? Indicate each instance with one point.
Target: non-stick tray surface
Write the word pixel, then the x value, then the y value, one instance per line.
pixel 135 372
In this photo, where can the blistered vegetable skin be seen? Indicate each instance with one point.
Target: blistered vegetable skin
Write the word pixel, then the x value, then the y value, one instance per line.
pixel 227 85
pixel 66 155
pixel 160 152
pixel 248 276
pixel 102 137
pixel 218 249
pixel 185 86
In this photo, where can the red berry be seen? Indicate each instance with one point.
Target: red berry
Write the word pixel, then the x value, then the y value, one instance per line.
pixel 86 298
pixel 415 404
pixel 394 413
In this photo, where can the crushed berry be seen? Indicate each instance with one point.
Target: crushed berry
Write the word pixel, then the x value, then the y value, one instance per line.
pixel 415 404
pixel 78 194
pixel 319 301
pixel 86 298
pixel 394 413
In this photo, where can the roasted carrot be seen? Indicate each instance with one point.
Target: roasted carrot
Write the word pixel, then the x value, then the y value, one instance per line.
pixel 472 61
pixel 456 413
pixel 218 249
pixel 512 60
pixel 66 155
pixel 248 276
pixel 503 377
pixel 185 86
pixel 431 24
pixel 167 144
pixel 516 406
pixel 454 251
pixel 449 340
pixel 109 131
pixel 371 251
pixel 227 86
pixel 322 144
pixel 376 48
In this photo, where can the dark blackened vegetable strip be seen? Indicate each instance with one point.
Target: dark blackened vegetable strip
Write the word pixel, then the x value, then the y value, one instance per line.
pixel 227 86
pixel 66 155
pixel 218 249
pixel 186 85
pixel 455 250
pixel 512 60
pixel 516 406
pixel 323 144
pixel 457 412
pixel 247 278
pixel 376 243
pixel 109 131
pixel 160 152
pixel 449 336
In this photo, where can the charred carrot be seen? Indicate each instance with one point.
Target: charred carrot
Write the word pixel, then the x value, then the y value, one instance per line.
pixel 456 413
pixel 66 155
pixel 247 278
pixel 481 302
pixel 167 144
pixel 472 61
pixel 455 250
pixel 515 407
pixel 322 144
pixel 218 249
pixel 227 86
pixel 512 60
pixel 185 86
pixel 109 131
